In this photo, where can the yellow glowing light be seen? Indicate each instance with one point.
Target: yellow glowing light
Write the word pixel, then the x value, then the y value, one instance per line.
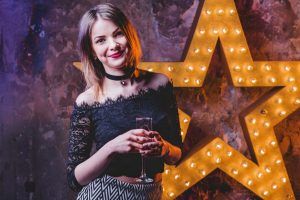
pixel 187 183
pixel 237 68
pixel 209 153
pixel 235 171
pixel 274 186
pixel 250 182
pixel 282 71
pixel 193 165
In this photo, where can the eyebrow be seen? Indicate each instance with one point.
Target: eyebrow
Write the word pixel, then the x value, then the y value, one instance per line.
pixel 100 36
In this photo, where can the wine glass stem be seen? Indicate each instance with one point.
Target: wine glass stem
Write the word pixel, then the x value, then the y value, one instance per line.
pixel 143 167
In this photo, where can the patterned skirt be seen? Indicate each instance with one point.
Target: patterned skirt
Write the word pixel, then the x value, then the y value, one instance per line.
pixel 109 188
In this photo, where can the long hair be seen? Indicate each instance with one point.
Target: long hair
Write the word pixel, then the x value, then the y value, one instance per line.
pixel 93 68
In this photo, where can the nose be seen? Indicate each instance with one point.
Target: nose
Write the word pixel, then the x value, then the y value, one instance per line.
pixel 113 44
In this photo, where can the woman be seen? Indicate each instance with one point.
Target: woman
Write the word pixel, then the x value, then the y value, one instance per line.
pixel 117 93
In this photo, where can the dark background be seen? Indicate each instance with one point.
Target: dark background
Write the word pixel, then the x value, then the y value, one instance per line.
pixel 38 86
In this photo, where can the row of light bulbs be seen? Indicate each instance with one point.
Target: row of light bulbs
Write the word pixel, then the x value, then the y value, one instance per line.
pixel 219 11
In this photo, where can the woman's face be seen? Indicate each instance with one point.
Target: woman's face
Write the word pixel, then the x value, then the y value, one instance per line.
pixel 109 44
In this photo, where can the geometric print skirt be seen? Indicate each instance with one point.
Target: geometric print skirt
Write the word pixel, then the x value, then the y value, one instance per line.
pixel 109 188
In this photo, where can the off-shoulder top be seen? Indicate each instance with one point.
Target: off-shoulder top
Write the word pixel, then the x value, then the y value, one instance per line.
pixel 102 122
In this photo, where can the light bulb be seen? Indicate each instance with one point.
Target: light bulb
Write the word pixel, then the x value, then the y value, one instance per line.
pixel 218 146
pixel 268 67
pixel 297 102
pixel 215 31
pixel 203 172
pixel 218 160
pixel 291 79
pixel 150 69
pixel 190 68
pixel 240 80
pixel 235 171
pixel 243 50
pixel 186 80
pixel 249 67
pixel 253 80
pixel 244 164
pixel 282 113
pixel 272 80
pixel 177 176
pixel 273 143
pixel 255 133
pixel 231 11
pixel 266 124
pixel 265 193
pixel 229 153
pixel 167 171
pixel 237 68
pixel 171 194
pixel 170 68
pixel 279 100
pixel 187 183
pixel 262 151
pixel 185 120
pixel 287 68
pixel 253 121
pixel 294 89
pixel 278 162
pixel 268 169
pixel 259 175
pixel 283 179
pixel 209 50
pixel 202 31
pixel 249 182
pixel 274 186
pixel 196 50
pixel 208 12
pixel 231 49
pixel 203 68
pixel 193 165
pixel 238 31
pixel 198 81
pixel 220 11
pixel 209 153
pixel 225 30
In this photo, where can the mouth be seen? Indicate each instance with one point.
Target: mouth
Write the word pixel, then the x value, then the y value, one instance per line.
pixel 117 55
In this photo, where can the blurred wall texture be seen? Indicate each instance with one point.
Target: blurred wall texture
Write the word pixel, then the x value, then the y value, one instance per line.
pixel 38 86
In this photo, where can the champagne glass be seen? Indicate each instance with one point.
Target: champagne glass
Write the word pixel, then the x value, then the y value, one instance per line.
pixel 144 123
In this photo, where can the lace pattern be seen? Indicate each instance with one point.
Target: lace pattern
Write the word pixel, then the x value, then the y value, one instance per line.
pixel 101 122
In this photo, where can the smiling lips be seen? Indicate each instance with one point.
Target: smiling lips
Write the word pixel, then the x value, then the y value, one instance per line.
pixel 117 55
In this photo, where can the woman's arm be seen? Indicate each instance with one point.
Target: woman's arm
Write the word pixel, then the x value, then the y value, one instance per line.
pixel 129 142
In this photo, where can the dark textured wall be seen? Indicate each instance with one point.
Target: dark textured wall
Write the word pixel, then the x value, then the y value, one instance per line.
pixel 38 86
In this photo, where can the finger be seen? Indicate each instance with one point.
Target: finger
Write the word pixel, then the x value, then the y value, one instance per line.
pixel 139 139
pixel 135 145
pixel 140 132
pixel 151 145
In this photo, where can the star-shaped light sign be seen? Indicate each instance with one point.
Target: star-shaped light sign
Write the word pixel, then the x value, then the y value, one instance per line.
pixel 267 177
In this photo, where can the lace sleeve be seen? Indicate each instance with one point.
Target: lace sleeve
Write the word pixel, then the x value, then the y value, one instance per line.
pixel 80 143
pixel 174 136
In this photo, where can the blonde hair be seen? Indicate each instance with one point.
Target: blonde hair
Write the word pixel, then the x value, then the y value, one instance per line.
pixel 93 68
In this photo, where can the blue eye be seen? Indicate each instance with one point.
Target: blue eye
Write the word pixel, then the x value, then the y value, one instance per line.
pixel 100 41
pixel 119 33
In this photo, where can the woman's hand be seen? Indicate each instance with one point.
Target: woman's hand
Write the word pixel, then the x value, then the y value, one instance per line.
pixel 158 147
pixel 131 141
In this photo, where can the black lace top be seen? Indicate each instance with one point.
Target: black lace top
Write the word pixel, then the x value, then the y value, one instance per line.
pixel 102 122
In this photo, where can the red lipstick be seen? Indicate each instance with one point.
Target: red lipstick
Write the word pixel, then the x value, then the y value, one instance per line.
pixel 117 55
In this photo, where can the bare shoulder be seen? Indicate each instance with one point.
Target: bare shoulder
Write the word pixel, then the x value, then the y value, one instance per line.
pixel 86 97
pixel 155 80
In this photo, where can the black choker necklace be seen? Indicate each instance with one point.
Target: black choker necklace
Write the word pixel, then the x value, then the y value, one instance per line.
pixel 122 78
pixel 127 75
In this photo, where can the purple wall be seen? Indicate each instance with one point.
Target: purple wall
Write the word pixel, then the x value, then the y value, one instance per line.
pixel 39 85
